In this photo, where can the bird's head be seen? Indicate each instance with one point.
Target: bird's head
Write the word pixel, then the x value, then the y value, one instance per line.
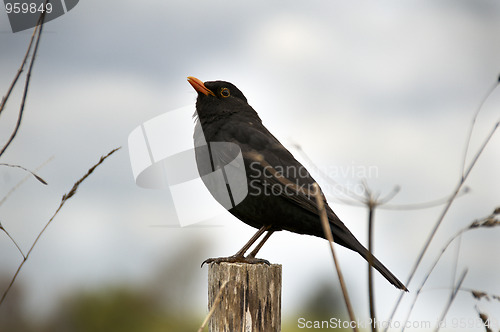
pixel 217 98
pixel 216 90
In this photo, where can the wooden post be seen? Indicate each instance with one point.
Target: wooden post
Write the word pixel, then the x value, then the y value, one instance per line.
pixel 251 300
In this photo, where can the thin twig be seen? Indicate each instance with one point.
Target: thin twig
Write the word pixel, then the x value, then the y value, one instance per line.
pixel 372 201
pixel 371 296
pixel 427 275
pixel 452 298
pixel 27 83
pixel 381 202
pixel 455 261
pixel 19 71
pixel 64 199
pixel 489 221
pixel 214 305
pixel 352 196
pixel 12 239
pixel 328 233
pixel 356 200
pixel 424 205
pixel 441 217
pixel 473 123
pixel 14 188
pixel 27 170
pixel 316 191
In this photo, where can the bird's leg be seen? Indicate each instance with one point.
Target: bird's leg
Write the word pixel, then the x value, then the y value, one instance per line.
pixel 239 256
pixel 259 246
pixel 252 240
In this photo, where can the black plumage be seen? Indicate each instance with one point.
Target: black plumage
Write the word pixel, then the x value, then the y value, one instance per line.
pixel 279 187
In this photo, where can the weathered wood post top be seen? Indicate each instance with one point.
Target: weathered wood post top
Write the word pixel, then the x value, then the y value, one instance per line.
pixel 250 301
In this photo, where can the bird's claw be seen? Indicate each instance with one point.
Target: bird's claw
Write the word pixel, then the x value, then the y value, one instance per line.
pixel 236 259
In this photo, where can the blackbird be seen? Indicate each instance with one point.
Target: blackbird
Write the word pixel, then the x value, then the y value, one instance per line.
pixel 275 193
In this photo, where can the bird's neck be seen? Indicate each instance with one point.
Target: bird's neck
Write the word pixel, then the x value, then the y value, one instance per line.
pixel 212 124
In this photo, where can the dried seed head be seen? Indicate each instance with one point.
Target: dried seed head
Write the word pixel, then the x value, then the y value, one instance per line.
pixel 478 295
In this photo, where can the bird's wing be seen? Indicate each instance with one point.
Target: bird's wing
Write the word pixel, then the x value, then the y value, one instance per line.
pixel 276 165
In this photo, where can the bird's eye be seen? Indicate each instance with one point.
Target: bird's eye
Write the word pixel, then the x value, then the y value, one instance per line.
pixel 225 92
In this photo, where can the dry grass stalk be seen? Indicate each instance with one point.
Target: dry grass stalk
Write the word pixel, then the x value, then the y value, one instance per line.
pixel 478 295
pixel 64 199
pixel 14 188
pixel 38 29
pixel 485 222
pixel 328 233
pixel 356 200
pixel 27 170
pixel 450 301
pixel 324 222
pixel 486 321
pixel 19 71
pixel 372 201
pixel 12 239
pixel 214 306
pixel 463 178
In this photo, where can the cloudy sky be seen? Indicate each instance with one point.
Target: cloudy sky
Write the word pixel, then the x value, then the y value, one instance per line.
pixel 389 85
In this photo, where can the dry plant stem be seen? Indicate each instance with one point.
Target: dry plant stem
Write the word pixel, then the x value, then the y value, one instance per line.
pixel 372 201
pixel 484 318
pixel 455 263
pixel 474 225
pixel 353 198
pixel 26 85
pixel 214 305
pixel 14 188
pixel 427 275
pixel 12 239
pixel 328 234
pixel 371 295
pixel 478 295
pixel 19 71
pixel 452 298
pixel 27 170
pixel 473 123
pixel 441 217
pixel 423 205
pixel 64 199
pixel 356 200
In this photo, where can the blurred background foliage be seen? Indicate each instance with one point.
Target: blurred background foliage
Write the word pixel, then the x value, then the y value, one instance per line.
pixel 152 306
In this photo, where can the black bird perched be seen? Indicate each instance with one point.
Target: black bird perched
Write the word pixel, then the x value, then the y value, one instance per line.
pixel 274 192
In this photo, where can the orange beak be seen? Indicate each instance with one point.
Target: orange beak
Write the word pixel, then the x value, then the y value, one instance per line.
pixel 199 86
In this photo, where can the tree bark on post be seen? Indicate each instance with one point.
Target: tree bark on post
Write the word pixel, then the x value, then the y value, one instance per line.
pixel 250 301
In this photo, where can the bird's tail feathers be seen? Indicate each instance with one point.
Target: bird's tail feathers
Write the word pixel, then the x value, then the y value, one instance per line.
pixel 384 271
pixel 342 236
